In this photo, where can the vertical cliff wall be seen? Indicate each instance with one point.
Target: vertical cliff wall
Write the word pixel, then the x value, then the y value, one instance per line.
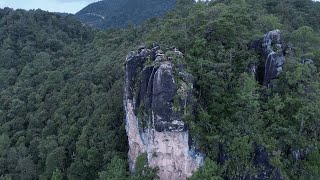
pixel 157 99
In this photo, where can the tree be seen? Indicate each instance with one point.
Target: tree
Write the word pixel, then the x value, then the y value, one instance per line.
pixel 305 40
pixel 4 143
pixel 42 62
pixel 55 160
pixel 26 168
pixel 57 175
pixel 143 171
pixel 116 170
pixel 312 165
pixel 246 106
pixel 6 177
pixel 268 23
pixel 61 87
pixel 209 171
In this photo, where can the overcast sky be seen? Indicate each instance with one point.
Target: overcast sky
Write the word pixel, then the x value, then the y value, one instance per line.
pixel 70 6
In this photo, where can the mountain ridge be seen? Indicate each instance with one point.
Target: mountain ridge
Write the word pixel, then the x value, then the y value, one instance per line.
pixel 120 13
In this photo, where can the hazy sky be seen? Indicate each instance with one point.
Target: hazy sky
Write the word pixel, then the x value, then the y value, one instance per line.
pixel 70 6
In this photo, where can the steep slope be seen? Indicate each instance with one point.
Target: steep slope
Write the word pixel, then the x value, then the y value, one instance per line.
pixel 119 13
pixel 59 114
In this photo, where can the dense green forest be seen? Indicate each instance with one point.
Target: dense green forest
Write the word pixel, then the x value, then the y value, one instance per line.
pixel 61 91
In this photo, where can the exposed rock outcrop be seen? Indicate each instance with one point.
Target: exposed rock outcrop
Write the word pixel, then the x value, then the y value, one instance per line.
pixel 273 54
pixel 158 98
pixel 270 48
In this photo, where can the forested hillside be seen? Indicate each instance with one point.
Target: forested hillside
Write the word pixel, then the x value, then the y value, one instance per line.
pixel 121 13
pixel 60 107
pixel 61 91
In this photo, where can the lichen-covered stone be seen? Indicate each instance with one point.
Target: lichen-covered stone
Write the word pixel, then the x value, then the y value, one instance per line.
pixel 158 92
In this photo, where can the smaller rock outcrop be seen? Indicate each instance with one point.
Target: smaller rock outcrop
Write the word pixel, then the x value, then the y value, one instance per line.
pixel 158 98
pixel 273 54
pixel 270 48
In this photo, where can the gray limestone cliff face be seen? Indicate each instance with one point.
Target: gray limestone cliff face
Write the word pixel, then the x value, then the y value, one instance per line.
pixel 158 98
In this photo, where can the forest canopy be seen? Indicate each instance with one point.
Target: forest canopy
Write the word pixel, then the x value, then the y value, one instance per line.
pixel 61 90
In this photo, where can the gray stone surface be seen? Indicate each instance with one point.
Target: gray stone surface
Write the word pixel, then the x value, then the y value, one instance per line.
pixel 273 55
pixel 158 97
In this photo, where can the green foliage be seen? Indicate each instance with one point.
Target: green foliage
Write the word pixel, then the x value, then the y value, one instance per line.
pixel 116 170
pixel 312 165
pixel 57 175
pixel 209 171
pixel 5 177
pixel 61 85
pixel 240 151
pixel 306 41
pixel 4 143
pixel 55 160
pixel 268 23
pixel 142 171
pixel 61 98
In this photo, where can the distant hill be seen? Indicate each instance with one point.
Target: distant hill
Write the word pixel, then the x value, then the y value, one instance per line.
pixel 118 13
